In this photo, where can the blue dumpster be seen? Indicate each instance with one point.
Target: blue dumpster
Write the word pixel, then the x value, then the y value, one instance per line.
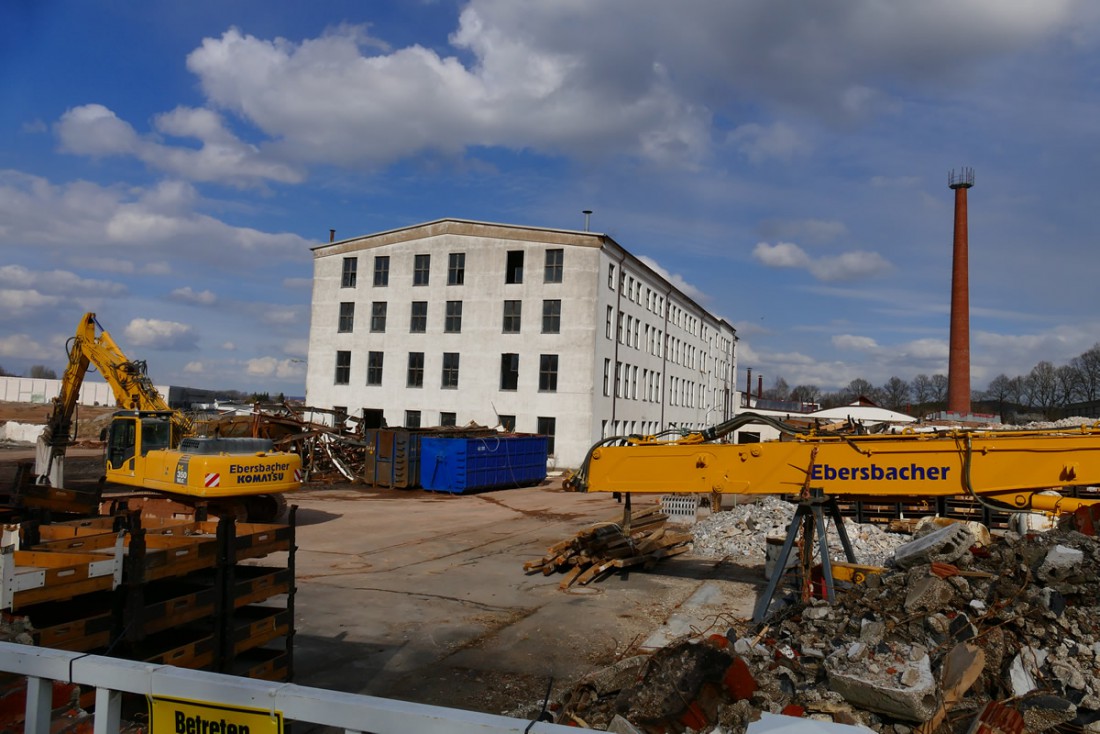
pixel 460 465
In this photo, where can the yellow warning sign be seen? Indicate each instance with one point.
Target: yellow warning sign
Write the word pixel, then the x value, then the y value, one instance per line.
pixel 179 716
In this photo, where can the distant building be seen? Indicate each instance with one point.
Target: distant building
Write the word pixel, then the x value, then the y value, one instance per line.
pixel 537 330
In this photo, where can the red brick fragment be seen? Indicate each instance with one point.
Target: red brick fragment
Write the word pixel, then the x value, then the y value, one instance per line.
pixel 738 680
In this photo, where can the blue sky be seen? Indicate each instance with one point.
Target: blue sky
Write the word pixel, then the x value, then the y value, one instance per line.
pixel 168 165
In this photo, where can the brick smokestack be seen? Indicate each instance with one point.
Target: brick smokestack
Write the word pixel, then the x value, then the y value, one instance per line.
pixel 958 370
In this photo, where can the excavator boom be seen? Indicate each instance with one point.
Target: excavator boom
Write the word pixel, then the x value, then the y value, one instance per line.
pixel 1009 467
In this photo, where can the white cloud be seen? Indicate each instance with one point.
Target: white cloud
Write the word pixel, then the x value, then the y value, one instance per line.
pixel 59 282
pixel 199 298
pixel 779 141
pixel 96 131
pixel 677 280
pixel 20 301
pixel 156 334
pixel 141 226
pixel 194 368
pixel 274 367
pixel 855 343
pixel 846 266
pixel 24 347
pixel 229 346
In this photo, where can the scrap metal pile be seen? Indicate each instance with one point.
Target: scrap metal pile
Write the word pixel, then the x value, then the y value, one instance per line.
pixel 955 636
pixel 330 453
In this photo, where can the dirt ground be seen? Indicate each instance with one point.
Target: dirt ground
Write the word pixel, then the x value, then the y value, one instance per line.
pixel 89 420
pixel 422 596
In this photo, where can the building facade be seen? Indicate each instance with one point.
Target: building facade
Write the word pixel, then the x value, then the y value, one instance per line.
pixel 535 330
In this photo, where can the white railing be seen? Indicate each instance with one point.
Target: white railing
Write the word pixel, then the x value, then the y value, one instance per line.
pixel 111 677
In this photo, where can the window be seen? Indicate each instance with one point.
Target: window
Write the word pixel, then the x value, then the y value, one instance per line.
pixel 453 322
pixel 343 368
pixel 378 316
pixel 507 422
pixel 448 419
pixel 607 377
pixel 450 371
pixel 374 368
pixel 513 271
pixel 551 316
pixel 414 376
pixel 607 329
pixel 418 320
pixel 381 270
pixel 347 278
pixel 611 277
pixel 548 373
pixel 412 419
pixel 456 269
pixel 422 265
pixel 512 313
pixel 547 427
pixel 554 261
pixel 509 371
pixel 347 317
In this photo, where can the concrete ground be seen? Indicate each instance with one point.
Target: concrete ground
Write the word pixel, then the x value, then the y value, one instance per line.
pixel 422 596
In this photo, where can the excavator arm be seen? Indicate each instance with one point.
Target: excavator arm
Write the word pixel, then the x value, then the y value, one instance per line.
pixel 1005 469
pixel 128 380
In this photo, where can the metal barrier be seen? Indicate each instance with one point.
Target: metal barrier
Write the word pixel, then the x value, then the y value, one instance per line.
pixel 111 677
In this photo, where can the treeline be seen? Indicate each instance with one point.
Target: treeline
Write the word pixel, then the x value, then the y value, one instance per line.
pixel 38 372
pixel 1046 391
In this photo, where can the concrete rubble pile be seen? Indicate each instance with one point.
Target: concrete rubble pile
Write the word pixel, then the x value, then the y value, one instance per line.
pixel 954 636
pixel 741 532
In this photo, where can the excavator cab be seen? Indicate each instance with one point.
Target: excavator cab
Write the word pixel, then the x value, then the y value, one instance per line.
pixel 134 433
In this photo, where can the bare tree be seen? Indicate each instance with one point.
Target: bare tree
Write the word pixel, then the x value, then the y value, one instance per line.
pixel 1000 391
pixel 859 388
pixel 921 388
pixel 806 393
pixel 41 371
pixel 939 388
pixel 896 393
pixel 1069 385
pixel 1042 387
pixel 1087 366
pixel 780 391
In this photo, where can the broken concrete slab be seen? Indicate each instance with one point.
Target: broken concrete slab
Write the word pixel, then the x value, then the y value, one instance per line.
pixel 946 545
pixel 902 689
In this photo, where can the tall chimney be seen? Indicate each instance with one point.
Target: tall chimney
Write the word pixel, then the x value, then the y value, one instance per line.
pixel 958 369
pixel 759 387
pixel 748 383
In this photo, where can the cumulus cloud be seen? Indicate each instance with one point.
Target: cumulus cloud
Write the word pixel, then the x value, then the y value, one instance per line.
pixel 61 282
pixel 96 131
pixel 194 368
pixel 778 141
pixel 274 367
pixel 198 298
pixel 855 343
pixel 846 266
pixel 156 334
pixel 146 225
pixel 677 280
pixel 24 347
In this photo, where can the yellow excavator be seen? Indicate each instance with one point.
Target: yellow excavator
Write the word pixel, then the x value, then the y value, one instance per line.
pixel 152 448
pixel 1015 471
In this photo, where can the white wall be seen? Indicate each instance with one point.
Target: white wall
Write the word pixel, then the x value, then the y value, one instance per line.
pixel 93 391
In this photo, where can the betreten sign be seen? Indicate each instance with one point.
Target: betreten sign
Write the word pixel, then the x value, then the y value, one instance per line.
pixel 180 716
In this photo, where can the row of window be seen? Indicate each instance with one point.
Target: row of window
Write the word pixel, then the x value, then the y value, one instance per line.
pixel 414 370
pixel 452 317
pixel 655 303
pixel 638 383
pixel 553 268
pixel 657 343
pixel 544 426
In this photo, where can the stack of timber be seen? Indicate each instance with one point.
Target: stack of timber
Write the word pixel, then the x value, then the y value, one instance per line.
pixel 604 548
pixel 183 593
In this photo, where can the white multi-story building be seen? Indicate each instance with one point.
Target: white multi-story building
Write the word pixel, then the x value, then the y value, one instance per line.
pixel 536 330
